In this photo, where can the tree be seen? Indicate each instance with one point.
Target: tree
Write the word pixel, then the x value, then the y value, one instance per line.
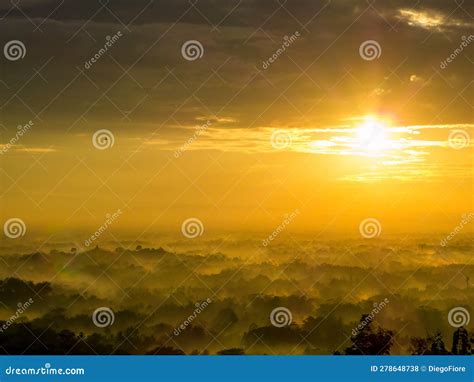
pixel 461 343
pixel 438 347
pixel 371 339
pixel 20 339
pixel 420 346
pixel 431 345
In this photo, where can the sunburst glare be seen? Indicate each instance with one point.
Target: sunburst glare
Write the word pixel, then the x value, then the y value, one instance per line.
pixel 372 135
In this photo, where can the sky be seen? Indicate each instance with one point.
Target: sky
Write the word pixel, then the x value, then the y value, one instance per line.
pixel 340 110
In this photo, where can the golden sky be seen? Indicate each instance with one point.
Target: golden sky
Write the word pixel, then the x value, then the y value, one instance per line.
pixel 340 110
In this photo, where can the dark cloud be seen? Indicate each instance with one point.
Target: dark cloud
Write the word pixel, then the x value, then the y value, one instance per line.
pixel 144 78
pixel 228 13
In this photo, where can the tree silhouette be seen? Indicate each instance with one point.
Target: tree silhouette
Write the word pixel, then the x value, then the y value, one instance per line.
pixel 420 346
pixel 22 339
pixel 438 347
pixel 371 339
pixel 13 290
pixel 461 343
pixel 431 345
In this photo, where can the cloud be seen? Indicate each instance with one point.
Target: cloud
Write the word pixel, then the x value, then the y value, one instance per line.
pixel 415 78
pixel 431 19
pixel 146 79
pixel 340 140
pixel 144 88
pixel 36 149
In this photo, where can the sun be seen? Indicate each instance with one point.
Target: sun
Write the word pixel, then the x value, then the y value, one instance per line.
pixel 372 135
